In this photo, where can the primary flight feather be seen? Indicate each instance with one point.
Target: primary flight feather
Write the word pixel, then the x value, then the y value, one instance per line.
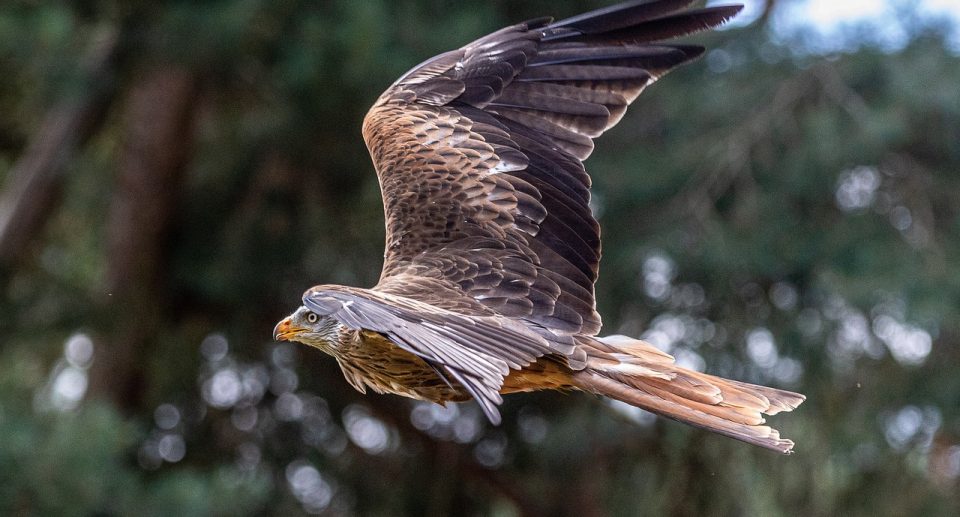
pixel 492 250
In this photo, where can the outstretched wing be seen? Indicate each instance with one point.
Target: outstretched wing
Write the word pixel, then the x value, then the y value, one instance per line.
pixel 492 250
pixel 479 154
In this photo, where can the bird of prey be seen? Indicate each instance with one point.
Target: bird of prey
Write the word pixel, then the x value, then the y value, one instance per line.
pixel 492 250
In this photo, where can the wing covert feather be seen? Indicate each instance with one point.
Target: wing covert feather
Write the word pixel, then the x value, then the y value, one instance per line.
pixel 479 152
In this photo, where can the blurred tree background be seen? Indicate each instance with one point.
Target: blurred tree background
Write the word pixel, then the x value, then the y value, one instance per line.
pixel 176 173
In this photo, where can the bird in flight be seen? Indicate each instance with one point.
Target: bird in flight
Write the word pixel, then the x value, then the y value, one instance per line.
pixel 492 250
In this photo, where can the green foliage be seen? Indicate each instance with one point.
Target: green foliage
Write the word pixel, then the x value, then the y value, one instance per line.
pixel 82 462
pixel 786 201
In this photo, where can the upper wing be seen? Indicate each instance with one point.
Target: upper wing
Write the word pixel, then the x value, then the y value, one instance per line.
pixel 479 155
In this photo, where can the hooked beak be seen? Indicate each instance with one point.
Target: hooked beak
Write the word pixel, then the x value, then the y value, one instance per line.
pixel 286 330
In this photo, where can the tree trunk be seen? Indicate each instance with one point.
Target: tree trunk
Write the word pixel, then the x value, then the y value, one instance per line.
pixel 157 137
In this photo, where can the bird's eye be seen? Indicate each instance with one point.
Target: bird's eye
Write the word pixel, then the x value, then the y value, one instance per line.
pixel 312 317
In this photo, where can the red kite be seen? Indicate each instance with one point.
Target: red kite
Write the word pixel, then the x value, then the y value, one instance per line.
pixel 492 250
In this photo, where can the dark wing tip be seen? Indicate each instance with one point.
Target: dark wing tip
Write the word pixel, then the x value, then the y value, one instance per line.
pixel 643 27
pixel 621 15
pixel 721 13
pixel 634 13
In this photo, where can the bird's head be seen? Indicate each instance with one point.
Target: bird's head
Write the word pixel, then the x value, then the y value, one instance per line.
pixel 309 328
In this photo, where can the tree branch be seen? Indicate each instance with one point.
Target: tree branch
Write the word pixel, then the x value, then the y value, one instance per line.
pixel 32 187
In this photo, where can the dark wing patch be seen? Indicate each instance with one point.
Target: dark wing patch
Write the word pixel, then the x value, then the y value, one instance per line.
pixel 479 154
pixel 476 351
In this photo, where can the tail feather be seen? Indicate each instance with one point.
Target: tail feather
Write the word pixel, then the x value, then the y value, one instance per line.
pixel 731 408
pixel 780 400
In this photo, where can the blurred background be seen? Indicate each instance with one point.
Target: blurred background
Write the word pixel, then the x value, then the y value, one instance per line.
pixel 174 174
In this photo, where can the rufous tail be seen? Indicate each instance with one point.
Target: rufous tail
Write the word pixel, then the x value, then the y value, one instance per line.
pixel 634 371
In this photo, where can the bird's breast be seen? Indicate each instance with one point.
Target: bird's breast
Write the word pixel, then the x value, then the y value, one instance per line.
pixel 384 367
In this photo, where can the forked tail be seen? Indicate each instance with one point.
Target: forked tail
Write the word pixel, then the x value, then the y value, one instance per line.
pixel 635 372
